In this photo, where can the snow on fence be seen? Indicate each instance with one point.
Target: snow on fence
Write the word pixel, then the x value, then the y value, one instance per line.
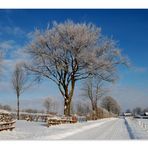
pixel 55 120
pixel 7 125
pixel 49 118
pixel 33 116
pixel 6 121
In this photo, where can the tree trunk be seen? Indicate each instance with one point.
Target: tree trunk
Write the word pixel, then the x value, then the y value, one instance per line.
pixel 94 106
pixel 68 97
pixel 94 109
pixel 18 108
pixel 67 106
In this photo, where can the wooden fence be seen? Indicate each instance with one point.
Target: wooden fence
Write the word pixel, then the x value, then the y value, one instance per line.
pixel 60 120
pixel 7 125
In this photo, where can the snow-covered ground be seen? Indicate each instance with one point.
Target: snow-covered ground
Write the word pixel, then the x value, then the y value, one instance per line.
pixel 104 129
pixel 137 129
pixel 38 130
pixel 111 130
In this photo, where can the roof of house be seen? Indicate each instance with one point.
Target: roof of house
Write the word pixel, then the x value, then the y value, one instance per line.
pixel 127 114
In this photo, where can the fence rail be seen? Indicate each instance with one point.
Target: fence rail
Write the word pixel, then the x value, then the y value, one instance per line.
pixel 7 125
pixel 61 120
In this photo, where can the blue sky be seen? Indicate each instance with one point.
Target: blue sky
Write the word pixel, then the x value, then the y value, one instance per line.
pixel 128 27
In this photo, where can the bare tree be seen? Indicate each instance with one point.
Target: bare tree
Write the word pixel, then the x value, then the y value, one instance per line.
pixel 19 81
pixel 72 108
pixel 145 109
pixel 79 109
pixel 137 110
pixel 1 107
pixel 93 90
pixel 5 107
pixel 29 110
pixel 68 52
pixel 110 105
pixel 48 104
pixel 82 108
pixel 128 111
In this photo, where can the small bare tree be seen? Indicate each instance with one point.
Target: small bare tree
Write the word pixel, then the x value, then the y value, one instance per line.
pixel 48 104
pixel 93 90
pixel 7 107
pixel 137 111
pixel 19 81
pixel 68 52
pixel 82 108
pixel 79 108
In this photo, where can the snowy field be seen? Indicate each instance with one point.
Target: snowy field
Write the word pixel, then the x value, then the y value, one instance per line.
pixel 104 129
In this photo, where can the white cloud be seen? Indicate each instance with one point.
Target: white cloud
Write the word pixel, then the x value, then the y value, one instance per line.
pixel 19 54
pixel 5 86
pixel 140 69
pixel 30 35
pixel 8 64
pixel 7 70
pixel 12 30
pixel 9 44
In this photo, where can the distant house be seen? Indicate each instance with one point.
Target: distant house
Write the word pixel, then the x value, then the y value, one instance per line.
pixel 145 113
pixel 127 114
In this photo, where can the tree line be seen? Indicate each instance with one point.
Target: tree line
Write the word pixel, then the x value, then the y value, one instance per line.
pixel 137 110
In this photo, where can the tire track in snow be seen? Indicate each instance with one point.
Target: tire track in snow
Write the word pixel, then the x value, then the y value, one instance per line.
pixel 139 132
pixel 113 130
pixel 129 129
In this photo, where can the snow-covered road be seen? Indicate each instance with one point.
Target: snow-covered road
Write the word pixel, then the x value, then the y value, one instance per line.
pixel 104 129
pixel 111 130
